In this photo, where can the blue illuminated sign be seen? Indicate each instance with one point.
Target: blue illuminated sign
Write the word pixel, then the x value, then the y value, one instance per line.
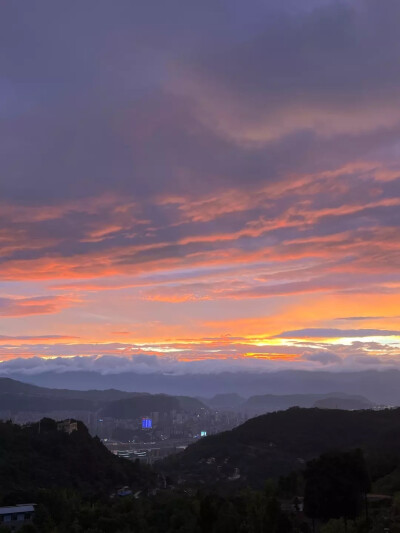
pixel 147 423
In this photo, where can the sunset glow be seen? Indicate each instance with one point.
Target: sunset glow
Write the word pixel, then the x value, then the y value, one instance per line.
pixel 217 203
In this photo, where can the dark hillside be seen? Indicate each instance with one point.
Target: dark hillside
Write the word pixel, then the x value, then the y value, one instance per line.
pixel 33 457
pixel 277 443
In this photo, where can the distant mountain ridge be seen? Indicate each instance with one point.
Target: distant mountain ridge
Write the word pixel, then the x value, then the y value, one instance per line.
pixel 12 386
pixel 16 396
pixel 349 403
pixel 227 402
pixel 267 403
pixel 379 386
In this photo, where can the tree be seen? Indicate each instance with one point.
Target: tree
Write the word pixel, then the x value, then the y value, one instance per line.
pixel 335 526
pixel 28 528
pixel 335 486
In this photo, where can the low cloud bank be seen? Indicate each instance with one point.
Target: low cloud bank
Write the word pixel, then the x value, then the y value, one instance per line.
pixel 106 364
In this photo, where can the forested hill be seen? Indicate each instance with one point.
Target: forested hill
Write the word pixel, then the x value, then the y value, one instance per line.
pixel 12 386
pixel 33 457
pixel 146 404
pixel 277 443
pixel 16 397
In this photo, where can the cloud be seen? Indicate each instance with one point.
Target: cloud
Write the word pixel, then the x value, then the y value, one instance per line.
pixel 164 364
pixel 312 333
pixel 38 338
pixel 112 365
pixel 188 355
pixel 323 357
pixel 264 87
pixel 182 188
pixel 39 305
pixel 359 318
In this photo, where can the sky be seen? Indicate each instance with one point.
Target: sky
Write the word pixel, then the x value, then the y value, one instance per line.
pixel 201 186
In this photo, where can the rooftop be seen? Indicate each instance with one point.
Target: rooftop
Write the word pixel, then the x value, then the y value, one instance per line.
pixel 23 508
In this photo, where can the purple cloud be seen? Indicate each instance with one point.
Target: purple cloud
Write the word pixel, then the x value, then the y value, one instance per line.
pixel 336 333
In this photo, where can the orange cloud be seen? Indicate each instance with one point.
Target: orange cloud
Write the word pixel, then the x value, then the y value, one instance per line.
pixel 40 305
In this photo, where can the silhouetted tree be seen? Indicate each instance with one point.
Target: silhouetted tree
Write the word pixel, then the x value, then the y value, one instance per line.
pixel 336 485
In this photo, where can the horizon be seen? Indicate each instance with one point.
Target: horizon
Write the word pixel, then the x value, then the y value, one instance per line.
pixel 380 387
pixel 199 188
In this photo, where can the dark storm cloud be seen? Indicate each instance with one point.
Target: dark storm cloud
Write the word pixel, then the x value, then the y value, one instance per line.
pixel 98 79
pixel 336 57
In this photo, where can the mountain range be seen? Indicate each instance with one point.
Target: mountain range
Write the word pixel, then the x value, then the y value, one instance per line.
pixel 17 397
pixel 267 403
pixel 379 386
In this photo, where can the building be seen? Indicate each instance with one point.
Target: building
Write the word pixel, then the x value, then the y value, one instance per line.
pixel 68 426
pixel 16 516
pixel 125 491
